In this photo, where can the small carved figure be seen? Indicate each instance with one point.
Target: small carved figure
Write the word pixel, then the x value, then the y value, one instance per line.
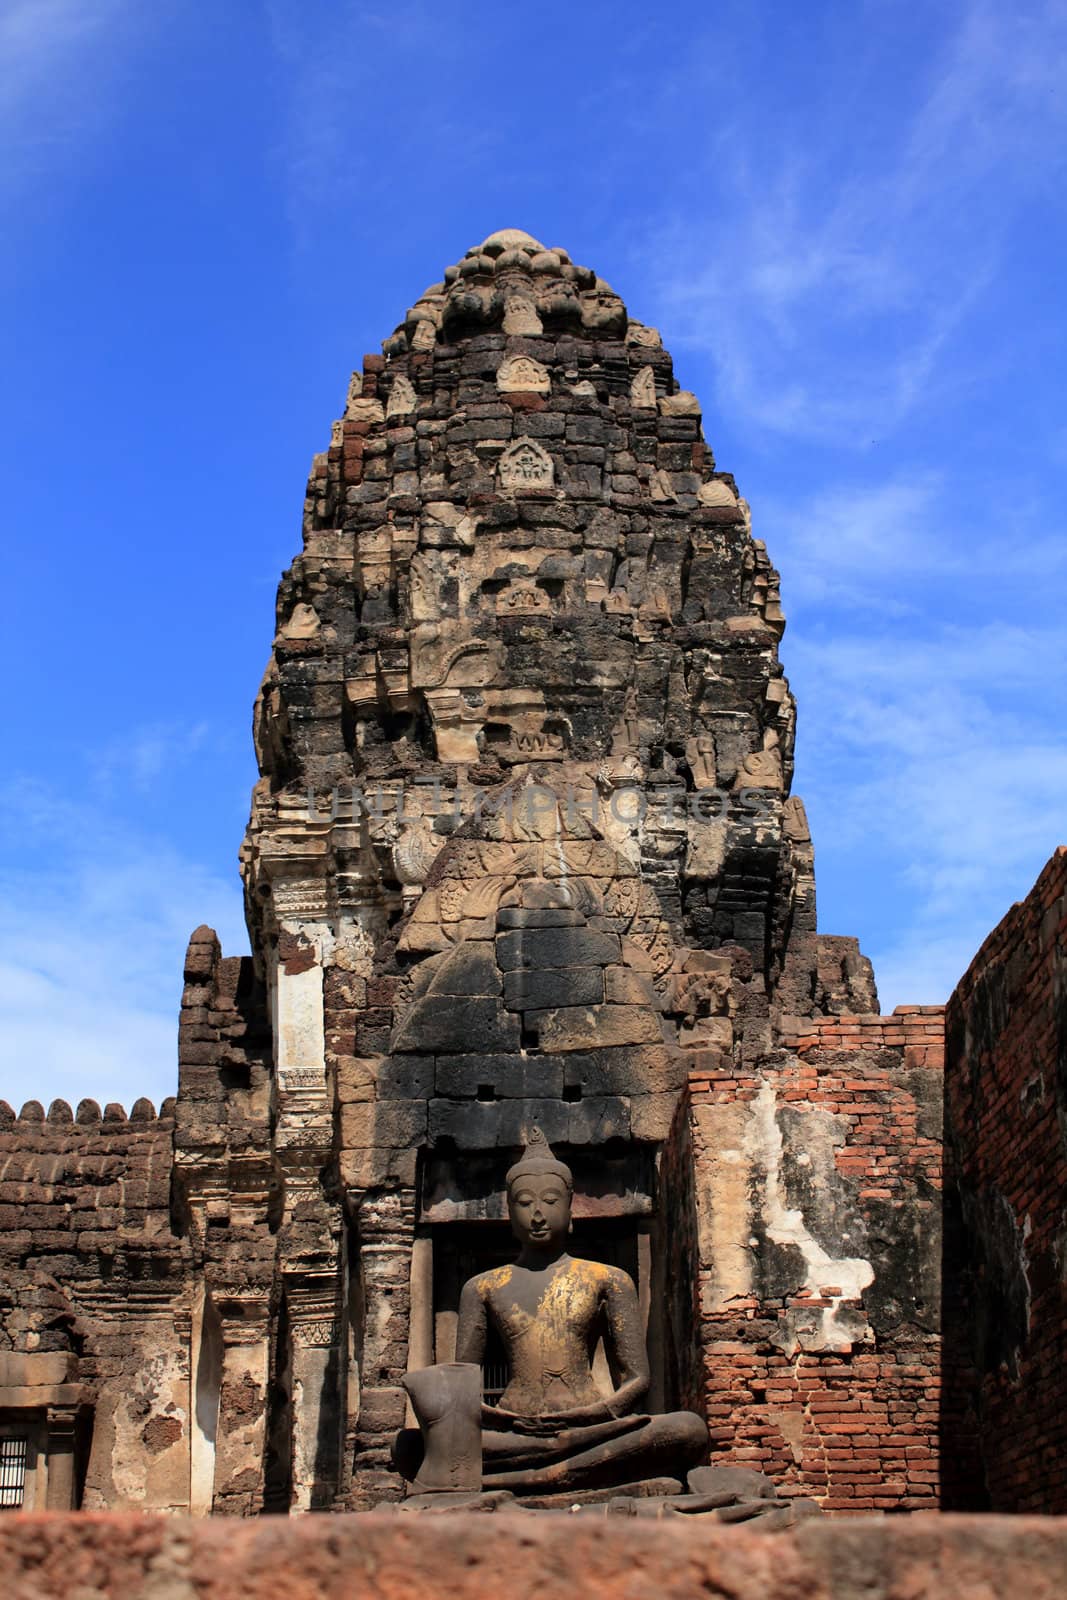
pixel 700 754
pixel 626 738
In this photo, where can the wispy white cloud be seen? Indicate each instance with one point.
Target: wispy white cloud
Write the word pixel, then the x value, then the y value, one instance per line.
pixel 141 757
pixel 879 545
pixel 326 151
pixel 942 761
pixel 93 929
pixel 827 289
pixel 57 64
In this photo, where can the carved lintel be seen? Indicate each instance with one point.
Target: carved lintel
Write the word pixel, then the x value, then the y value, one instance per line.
pixel 319 1334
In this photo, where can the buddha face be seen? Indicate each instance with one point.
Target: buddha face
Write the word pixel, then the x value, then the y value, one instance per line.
pixel 539 1205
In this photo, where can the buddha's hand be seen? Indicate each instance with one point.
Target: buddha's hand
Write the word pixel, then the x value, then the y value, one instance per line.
pixel 496 1417
pixel 538 1427
pixel 559 1421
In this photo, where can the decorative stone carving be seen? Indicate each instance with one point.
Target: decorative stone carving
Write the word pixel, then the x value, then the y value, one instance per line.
pixel 520 316
pixel 643 390
pixel 763 768
pixel 795 820
pixel 522 375
pixel 682 404
pixel 414 853
pixel 716 493
pixel 318 1335
pixel 361 410
pixel 302 624
pixel 521 597
pixel 529 737
pixel 456 725
pixel 402 399
pixel 626 739
pixel 525 465
pixel 700 754
pixel 444 654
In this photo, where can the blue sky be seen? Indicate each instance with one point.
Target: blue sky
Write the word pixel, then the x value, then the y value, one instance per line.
pixel 849 224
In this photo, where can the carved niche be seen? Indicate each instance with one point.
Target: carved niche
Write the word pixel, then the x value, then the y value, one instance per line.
pixel 525 465
pixel 522 375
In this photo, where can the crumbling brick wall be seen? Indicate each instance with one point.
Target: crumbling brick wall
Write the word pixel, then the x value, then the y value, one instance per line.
pixel 818 1202
pixel 1006 1155
pixel 91 1269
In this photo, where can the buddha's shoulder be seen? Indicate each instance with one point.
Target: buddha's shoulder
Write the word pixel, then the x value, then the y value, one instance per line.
pixel 485 1283
pixel 605 1277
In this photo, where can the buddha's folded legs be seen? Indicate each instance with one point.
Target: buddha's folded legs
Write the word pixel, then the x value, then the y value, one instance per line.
pixel 656 1446
pixel 505 1451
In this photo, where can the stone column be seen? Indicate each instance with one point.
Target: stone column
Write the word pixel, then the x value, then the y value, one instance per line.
pixel 205 1383
pixel 61 1489
pixel 420 1337
pixel 316 1414
pixel 239 1447
pixel 386 1231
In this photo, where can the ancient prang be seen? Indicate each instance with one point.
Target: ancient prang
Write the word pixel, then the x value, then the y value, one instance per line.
pixel 524 856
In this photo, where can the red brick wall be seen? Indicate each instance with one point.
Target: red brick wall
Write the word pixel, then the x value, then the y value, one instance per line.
pixel 1006 1148
pixel 468 1557
pixel 857 1427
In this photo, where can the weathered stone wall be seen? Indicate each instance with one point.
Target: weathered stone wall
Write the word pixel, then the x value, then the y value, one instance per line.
pixel 226 1206
pixel 1006 1152
pixel 94 1304
pixel 818 1199
pixel 473 1557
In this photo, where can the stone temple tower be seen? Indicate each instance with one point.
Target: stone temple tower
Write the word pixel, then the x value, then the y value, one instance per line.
pixel 523 841
pixel 523 852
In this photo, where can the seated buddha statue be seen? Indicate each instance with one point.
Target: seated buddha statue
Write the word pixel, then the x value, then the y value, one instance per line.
pixel 553 1430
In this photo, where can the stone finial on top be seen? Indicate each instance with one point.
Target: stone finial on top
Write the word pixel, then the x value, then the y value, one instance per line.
pixel 510 239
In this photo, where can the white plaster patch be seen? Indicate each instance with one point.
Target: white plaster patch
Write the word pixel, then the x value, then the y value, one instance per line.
pixel 842 1281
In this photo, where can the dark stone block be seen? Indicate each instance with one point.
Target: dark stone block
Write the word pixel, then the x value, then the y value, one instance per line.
pixel 624 1070
pixel 510 1077
pixel 580 986
pixel 469 969
pixel 537 917
pixel 442 1023
pixel 485 1125
pixel 556 947
pixel 595 1121
pixel 406 1077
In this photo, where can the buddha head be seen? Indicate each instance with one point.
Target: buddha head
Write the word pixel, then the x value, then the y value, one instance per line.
pixel 539 1196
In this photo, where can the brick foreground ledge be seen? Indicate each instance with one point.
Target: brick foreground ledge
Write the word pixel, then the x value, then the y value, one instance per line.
pixel 133 1557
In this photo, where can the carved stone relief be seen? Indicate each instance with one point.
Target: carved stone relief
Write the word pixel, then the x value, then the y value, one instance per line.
pixel 525 465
